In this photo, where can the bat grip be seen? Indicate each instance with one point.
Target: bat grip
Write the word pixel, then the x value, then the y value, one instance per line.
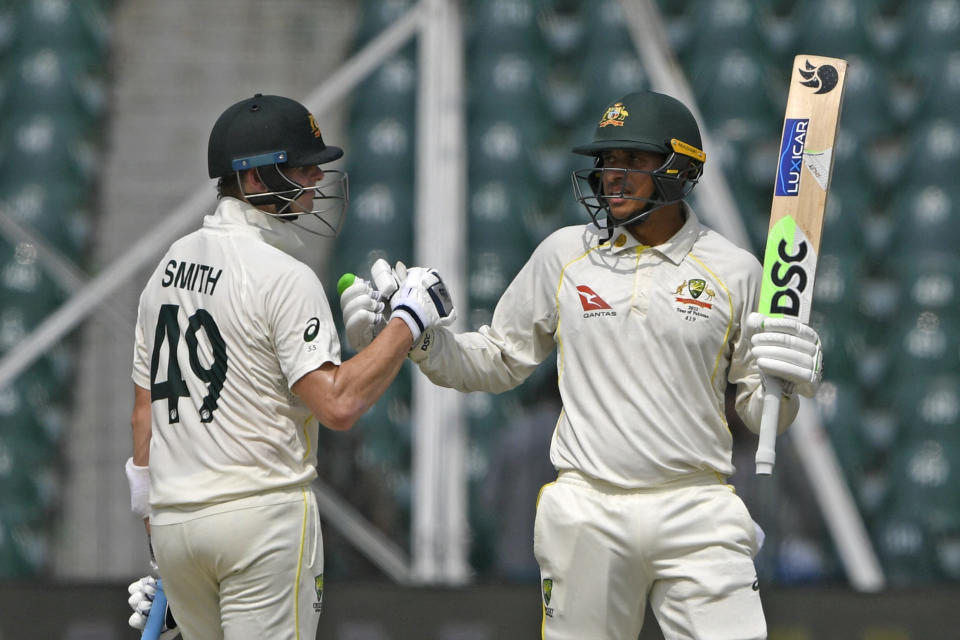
pixel 769 421
pixel 158 610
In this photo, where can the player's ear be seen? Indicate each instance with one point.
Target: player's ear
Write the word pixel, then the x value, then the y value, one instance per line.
pixel 250 179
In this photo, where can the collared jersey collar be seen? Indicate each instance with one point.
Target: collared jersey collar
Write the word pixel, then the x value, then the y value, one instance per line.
pixel 237 213
pixel 675 249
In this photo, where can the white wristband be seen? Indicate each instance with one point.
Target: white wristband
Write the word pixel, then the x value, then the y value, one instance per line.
pixel 139 479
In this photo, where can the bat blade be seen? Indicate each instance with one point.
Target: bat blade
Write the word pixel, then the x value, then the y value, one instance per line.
pixel 804 167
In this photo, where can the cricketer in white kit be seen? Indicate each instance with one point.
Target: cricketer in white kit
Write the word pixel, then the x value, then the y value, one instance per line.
pixel 237 358
pixel 647 311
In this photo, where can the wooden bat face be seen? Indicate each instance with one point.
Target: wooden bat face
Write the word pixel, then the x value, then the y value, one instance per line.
pixel 800 191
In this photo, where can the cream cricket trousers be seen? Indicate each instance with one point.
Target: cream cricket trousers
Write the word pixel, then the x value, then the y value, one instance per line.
pixel 688 547
pixel 247 569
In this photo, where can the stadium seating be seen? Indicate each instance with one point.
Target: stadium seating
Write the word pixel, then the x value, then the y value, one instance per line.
pixel 926 215
pixel 52 86
pixel 390 90
pixel 836 28
pixel 540 71
pixel 932 30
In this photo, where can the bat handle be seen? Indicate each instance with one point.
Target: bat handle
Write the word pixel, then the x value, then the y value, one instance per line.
pixel 154 626
pixel 769 421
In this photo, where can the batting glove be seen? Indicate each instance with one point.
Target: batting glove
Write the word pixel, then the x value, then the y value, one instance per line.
pixel 423 302
pixel 363 313
pixel 142 592
pixel 787 349
pixel 388 280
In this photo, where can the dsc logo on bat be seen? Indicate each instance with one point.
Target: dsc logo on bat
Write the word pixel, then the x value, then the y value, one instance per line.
pixel 791 156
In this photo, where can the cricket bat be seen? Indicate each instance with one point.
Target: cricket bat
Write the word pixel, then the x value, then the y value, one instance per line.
pixel 796 215
pixel 154 626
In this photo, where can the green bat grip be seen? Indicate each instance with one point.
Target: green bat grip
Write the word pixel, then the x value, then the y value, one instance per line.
pixel 344 282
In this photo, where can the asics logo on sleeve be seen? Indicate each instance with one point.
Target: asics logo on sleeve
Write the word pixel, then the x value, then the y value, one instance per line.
pixel 589 300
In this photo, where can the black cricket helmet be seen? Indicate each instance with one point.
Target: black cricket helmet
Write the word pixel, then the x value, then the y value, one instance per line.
pixel 645 121
pixel 267 134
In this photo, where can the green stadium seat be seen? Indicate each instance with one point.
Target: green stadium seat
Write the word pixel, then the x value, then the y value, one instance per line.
pixel 928 405
pixel 922 344
pixel 562 25
pixel 564 95
pixel 678 17
pixel 385 429
pixel 843 344
pixel 554 163
pixel 947 553
pixel 78 29
pixel 27 295
pixel 731 24
pixel 835 28
pixel 837 287
pixel 504 149
pixel 504 25
pixel 927 485
pixel 939 90
pixel 605 26
pixel 932 29
pixel 733 89
pixel 608 73
pixel 866 99
pixel 377 15
pixel 841 408
pixel 51 210
pixel 934 152
pixel 24 549
pixel 489 272
pixel 382 149
pixel 849 205
pixel 42 82
pixel 927 216
pixel 501 215
pixel 904 549
pixel 504 84
pixel 379 224
pixel 932 282
pixel 39 145
pixel 390 91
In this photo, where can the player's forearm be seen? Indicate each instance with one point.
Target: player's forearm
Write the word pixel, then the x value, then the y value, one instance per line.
pixel 339 395
pixel 140 422
pixel 470 362
pixel 750 409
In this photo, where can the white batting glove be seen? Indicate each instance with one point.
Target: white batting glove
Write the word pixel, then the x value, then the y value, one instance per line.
pixel 142 593
pixel 423 302
pixel 388 280
pixel 363 313
pixel 787 349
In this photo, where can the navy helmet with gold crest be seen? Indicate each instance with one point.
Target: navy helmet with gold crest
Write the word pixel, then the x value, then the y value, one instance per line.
pixel 270 134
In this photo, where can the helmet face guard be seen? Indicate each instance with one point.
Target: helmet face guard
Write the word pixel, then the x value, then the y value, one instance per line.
pixel 672 182
pixel 642 121
pixel 331 197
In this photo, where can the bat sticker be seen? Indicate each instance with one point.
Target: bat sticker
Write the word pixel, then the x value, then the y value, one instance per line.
pixel 791 156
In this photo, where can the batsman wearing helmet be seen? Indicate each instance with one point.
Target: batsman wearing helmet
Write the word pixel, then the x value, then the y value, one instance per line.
pixel 237 362
pixel 650 316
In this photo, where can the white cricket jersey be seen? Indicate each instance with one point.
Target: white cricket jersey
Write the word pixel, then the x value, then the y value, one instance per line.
pixel 248 321
pixel 646 340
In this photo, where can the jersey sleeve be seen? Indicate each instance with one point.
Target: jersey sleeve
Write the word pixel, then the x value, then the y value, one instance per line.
pixel 499 356
pixel 304 333
pixel 141 354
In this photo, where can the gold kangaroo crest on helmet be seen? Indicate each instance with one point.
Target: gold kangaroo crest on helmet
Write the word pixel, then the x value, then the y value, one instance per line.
pixel 314 126
pixel 614 115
